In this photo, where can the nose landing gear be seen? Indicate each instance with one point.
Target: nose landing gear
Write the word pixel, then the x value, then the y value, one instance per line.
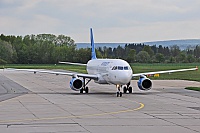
pixel 119 93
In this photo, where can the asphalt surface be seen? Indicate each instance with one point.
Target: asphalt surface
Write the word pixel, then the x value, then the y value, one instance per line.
pixel 45 103
pixel 10 89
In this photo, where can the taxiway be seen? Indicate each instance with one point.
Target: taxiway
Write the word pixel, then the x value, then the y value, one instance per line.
pixel 45 103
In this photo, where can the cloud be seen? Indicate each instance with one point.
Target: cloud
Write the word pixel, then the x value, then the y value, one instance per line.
pixel 112 20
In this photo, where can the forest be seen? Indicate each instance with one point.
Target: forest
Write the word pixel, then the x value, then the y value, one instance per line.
pixel 49 49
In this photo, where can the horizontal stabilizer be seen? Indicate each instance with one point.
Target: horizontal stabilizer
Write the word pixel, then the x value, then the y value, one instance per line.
pixel 70 63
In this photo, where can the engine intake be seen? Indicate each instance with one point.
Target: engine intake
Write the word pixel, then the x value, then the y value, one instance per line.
pixel 144 83
pixel 76 84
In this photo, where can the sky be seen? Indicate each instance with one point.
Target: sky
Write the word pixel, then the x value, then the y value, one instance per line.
pixel 119 21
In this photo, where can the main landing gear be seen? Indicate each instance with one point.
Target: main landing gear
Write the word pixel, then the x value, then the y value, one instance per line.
pixel 125 89
pixel 128 88
pixel 85 88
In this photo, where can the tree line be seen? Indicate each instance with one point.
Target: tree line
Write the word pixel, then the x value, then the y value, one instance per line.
pixel 141 53
pixel 49 48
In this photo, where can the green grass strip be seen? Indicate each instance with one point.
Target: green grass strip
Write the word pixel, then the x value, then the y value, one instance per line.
pixel 193 88
pixel 137 68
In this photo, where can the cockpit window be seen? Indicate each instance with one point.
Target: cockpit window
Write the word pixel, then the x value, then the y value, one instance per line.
pixel 126 68
pixel 114 68
pixel 120 68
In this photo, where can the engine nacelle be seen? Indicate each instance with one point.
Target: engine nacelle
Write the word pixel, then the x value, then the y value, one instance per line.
pixel 144 83
pixel 76 84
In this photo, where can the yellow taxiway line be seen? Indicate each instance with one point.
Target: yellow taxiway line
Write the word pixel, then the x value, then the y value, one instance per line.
pixel 78 116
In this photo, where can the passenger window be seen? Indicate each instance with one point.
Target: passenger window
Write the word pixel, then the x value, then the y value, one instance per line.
pixel 114 68
pixel 126 68
pixel 120 68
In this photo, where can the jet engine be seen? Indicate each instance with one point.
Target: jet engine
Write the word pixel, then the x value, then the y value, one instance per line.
pixel 144 83
pixel 76 84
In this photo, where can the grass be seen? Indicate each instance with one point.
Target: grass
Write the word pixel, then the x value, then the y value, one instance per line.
pixel 193 88
pixel 188 75
pixel 137 68
pixel 80 69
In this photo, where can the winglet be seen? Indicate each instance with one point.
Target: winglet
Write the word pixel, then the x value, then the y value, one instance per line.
pixel 92 45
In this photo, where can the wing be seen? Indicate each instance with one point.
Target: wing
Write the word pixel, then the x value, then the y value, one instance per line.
pixel 90 76
pixel 70 63
pixel 168 71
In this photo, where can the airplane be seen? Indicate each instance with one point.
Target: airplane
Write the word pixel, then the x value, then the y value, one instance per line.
pixel 106 71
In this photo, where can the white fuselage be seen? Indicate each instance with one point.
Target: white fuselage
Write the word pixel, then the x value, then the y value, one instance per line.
pixel 110 71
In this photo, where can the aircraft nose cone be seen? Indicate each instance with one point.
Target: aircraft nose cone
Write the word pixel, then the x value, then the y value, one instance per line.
pixel 125 77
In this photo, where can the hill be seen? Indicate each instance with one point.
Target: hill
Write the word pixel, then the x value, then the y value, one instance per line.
pixel 183 44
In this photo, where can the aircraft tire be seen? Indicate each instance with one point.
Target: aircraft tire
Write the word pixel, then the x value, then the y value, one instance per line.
pixel 117 94
pixel 120 94
pixel 124 89
pixel 81 90
pixel 86 89
pixel 130 89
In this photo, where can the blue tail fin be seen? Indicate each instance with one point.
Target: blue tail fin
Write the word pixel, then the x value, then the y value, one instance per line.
pixel 92 45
